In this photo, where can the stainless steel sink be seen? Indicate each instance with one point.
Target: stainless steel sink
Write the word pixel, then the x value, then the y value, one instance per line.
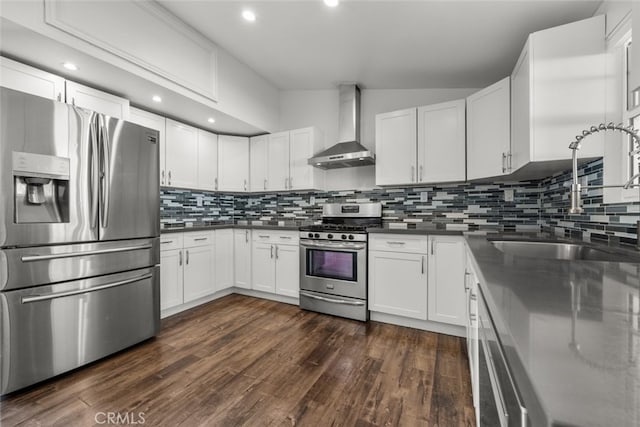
pixel 563 251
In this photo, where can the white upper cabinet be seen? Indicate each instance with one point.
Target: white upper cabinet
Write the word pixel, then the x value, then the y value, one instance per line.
pixel 233 163
pixel 278 161
pixel 207 160
pixel 96 100
pixel 258 161
pixel 181 155
pixel 396 135
pixel 156 122
pixel 303 144
pixel 186 57
pixel 489 131
pixel 441 142
pixel 557 90
pixel 17 76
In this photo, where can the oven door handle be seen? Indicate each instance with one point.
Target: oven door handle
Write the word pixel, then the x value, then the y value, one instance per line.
pixel 332 245
pixel 335 301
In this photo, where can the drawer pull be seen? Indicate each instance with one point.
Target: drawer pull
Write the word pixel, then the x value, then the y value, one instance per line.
pixel 200 239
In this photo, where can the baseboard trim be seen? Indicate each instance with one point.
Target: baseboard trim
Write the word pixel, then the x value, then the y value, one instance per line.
pixel 425 325
pixel 192 304
pixel 266 295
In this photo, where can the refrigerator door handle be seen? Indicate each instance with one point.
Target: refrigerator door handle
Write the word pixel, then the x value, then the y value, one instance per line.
pixel 106 193
pixel 31 258
pixel 46 297
pixel 95 174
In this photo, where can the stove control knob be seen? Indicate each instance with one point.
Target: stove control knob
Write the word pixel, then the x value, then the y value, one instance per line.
pixel 350 236
pixel 344 236
pixel 329 236
pixel 311 235
pixel 317 236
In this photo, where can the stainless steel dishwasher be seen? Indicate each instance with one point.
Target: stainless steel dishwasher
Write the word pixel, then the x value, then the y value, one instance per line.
pixel 500 401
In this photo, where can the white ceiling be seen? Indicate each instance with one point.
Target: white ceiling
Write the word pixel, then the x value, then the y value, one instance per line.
pixel 302 44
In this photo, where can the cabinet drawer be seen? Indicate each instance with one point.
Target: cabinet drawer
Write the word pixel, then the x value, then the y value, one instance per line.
pixel 198 239
pixel 276 236
pixel 399 243
pixel 171 241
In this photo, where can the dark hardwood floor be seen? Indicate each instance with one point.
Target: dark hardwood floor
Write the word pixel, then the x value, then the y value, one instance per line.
pixel 247 361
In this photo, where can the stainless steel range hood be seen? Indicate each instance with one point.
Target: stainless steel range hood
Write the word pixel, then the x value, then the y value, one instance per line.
pixel 348 152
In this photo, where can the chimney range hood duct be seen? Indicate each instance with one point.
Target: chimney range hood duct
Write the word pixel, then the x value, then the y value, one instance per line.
pixel 348 152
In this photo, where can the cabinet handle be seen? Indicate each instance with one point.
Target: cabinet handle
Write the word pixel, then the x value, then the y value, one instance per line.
pixel 59 96
pixel 420 173
pixel 180 260
pixel 285 183
pixel 509 157
pixel 246 236
pixel 216 183
pixel 413 171
pixel 169 177
pixel 276 251
pixel 265 183
pixel 271 251
pixel 431 247
pixel 245 185
pixel 166 242
pixel 73 101
pixel 262 236
pixel 395 243
pixel 187 256
pixel 504 162
pixel 290 183
pixel 162 177
pixel 422 264
pixel 199 239
pixel 285 237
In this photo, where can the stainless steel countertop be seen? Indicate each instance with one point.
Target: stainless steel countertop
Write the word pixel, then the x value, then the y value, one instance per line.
pixel 571 334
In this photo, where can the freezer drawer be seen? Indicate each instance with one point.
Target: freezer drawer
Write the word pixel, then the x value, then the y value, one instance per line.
pixel 48 330
pixel 25 267
pixel 351 308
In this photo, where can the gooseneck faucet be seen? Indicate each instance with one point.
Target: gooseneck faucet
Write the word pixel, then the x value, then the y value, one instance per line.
pixel 576 188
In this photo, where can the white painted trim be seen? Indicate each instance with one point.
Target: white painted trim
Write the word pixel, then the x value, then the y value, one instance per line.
pixel 425 325
pixel 192 304
pixel 266 295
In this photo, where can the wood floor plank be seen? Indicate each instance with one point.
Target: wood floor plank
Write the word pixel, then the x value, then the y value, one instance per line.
pixel 246 361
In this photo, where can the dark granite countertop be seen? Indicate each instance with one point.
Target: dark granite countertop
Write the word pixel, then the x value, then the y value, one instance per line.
pixel 570 331
pixel 222 226
pixel 424 231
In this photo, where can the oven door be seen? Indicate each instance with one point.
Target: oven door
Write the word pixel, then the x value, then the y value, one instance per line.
pixel 338 268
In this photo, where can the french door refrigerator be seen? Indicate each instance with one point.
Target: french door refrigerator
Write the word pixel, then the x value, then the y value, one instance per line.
pixel 79 237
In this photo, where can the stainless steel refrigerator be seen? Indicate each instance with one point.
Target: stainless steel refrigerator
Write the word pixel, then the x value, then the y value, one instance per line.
pixel 79 237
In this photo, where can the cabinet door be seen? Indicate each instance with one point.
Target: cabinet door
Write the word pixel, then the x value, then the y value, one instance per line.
pixel 396 147
pixel 288 270
pixel 446 280
pixel 156 122
pixel 198 272
pixel 489 131
pixel 233 163
pixel 171 263
pixel 242 258
pixel 181 155
pixel 258 162
pixel 207 160
pixel 17 76
pixel 441 142
pixel 303 144
pixel 224 259
pixel 278 161
pixel 263 270
pixel 521 111
pixel 398 284
pixel 96 100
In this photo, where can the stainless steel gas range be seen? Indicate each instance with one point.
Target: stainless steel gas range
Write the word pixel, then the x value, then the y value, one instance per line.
pixel 333 260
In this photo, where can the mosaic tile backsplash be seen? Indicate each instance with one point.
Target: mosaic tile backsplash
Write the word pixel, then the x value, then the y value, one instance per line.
pixel 535 206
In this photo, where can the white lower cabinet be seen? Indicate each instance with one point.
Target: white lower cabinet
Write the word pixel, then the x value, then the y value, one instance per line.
pixel 398 284
pixel 417 277
pixel 242 258
pixel 186 267
pixel 223 259
pixel 446 280
pixel 275 260
pixel 471 290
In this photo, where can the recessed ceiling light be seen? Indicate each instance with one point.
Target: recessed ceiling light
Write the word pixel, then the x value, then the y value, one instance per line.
pixel 211 120
pixel 156 98
pixel 70 66
pixel 248 15
pixel 331 3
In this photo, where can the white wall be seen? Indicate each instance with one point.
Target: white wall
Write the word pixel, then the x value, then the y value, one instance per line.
pixel 301 108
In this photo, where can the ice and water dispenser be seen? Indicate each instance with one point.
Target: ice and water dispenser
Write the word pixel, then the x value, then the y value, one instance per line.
pixel 40 188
